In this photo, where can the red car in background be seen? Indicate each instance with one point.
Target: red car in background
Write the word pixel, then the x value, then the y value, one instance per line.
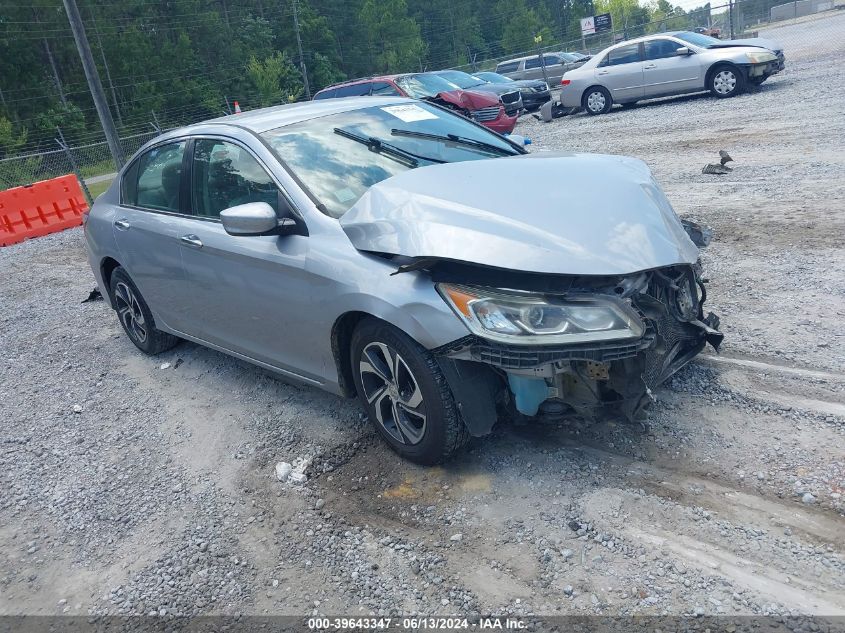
pixel 483 107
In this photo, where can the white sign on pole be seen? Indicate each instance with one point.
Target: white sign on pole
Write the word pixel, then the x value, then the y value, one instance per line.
pixel 588 26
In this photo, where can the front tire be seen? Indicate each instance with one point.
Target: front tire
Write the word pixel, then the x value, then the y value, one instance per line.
pixel 726 81
pixel 405 394
pixel 135 316
pixel 597 100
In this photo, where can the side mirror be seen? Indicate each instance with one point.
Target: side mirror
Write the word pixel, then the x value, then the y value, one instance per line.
pixel 252 218
pixel 683 50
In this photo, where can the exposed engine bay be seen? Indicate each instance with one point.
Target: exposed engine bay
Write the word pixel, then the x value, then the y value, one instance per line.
pixel 589 378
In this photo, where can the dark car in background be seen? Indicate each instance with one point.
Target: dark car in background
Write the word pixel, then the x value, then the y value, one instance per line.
pixel 535 92
pixel 481 106
pixel 510 95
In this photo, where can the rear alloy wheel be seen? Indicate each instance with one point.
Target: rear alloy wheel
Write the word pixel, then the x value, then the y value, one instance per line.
pixel 405 394
pixel 597 100
pixel 135 316
pixel 726 81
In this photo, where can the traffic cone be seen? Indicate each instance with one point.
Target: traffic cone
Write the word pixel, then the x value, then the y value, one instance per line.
pixel 237 108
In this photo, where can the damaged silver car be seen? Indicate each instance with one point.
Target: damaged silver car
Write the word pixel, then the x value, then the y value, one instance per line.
pixel 380 247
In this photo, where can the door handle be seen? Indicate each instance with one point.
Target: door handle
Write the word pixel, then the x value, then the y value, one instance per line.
pixel 650 66
pixel 121 224
pixel 191 240
pixel 602 72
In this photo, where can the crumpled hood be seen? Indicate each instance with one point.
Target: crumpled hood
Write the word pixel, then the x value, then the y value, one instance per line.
pixel 575 214
pixel 469 99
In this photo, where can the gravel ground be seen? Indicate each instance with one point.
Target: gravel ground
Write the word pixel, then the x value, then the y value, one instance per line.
pixel 129 488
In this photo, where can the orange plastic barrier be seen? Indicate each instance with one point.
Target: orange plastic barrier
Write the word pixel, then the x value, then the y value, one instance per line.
pixel 41 208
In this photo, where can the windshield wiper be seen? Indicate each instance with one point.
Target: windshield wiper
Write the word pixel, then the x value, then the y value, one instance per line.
pixel 457 140
pixel 378 146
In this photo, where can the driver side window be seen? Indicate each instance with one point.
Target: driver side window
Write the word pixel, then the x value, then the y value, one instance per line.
pixel 226 175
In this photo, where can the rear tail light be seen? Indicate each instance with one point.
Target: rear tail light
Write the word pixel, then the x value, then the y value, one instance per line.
pixel 564 82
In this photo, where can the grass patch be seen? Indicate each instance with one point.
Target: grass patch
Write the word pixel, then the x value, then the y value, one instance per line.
pixel 99 187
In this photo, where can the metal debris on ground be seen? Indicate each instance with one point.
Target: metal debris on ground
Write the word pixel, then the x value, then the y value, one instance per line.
pixel 720 169
pixel 94 295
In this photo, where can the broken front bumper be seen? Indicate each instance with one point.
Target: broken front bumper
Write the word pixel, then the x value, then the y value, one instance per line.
pixel 588 377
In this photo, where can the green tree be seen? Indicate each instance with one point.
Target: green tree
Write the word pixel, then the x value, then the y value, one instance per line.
pixel 276 79
pixel 523 26
pixel 10 141
pixel 393 37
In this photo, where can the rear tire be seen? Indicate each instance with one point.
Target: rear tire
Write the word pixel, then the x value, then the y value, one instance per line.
pixel 135 316
pixel 405 394
pixel 597 100
pixel 726 81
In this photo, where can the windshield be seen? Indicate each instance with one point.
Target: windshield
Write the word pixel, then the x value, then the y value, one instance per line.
pixel 460 79
pixel 338 169
pixel 494 78
pixel 422 86
pixel 704 41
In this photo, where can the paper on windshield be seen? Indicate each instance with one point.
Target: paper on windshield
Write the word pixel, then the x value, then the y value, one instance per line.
pixel 409 113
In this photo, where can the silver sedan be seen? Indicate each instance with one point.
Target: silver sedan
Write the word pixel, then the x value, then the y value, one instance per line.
pixel 393 250
pixel 669 64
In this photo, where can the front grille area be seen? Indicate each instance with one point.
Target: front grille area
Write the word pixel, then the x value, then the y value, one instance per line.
pixel 510 97
pixel 528 356
pixel 490 113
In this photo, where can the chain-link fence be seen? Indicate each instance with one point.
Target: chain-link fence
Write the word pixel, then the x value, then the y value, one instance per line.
pixel 89 157
pixel 86 160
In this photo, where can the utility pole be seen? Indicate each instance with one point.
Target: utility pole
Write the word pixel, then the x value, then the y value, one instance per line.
pixel 93 78
pixel 106 67
pixel 731 16
pixel 299 44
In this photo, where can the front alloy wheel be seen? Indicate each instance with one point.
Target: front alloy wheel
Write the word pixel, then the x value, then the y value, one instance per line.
pixel 394 393
pixel 403 389
pixel 726 81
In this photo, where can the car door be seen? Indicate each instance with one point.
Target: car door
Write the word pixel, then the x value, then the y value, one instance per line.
pixel 556 67
pixel 621 72
pixel 665 72
pixel 250 295
pixel 532 68
pixel 147 226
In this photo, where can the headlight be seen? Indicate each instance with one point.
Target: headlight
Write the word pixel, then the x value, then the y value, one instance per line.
pixel 761 57
pixel 536 319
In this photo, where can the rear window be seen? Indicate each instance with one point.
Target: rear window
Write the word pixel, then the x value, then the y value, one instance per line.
pixel 326 94
pixel 622 55
pixel 507 67
pixel 384 89
pixel 353 90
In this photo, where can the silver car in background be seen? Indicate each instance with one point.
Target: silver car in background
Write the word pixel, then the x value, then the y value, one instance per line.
pixel 669 64
pixel 390 249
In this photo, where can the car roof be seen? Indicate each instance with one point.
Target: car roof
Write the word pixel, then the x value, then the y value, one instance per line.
pixel 646 38
pixel 363 80
pixel 270 118
pixel 519 59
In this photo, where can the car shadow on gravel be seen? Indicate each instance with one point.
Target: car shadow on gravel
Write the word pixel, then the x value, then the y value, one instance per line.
pixel 703 97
